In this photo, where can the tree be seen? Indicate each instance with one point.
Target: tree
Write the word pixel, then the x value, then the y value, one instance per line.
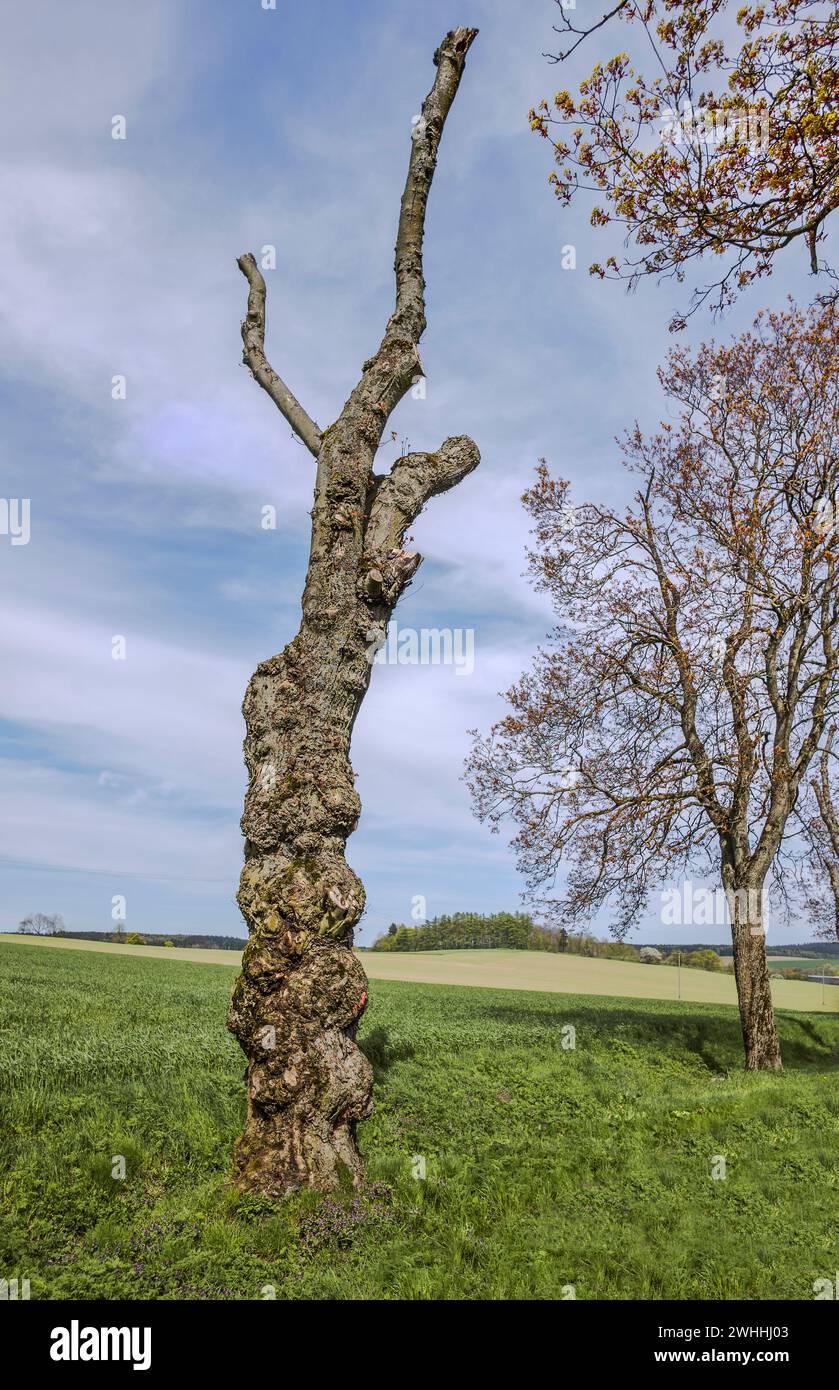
pixel 134 938
pixel 725 149
pixel 693 671
pixel 650 956
pixel 821 828
pixel 695 960
pixel 296 1006
pixel 43 924
pixel 704 960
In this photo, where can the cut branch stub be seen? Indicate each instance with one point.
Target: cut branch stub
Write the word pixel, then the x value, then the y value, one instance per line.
pixel 411 483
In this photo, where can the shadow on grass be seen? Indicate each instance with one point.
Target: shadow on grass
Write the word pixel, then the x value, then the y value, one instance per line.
pixel 381 1053
pixel 713 1037
pixel 823 1048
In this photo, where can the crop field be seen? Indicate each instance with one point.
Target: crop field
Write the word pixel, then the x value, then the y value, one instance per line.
pixel 527 970
pixel 524 1144
pixel 521 970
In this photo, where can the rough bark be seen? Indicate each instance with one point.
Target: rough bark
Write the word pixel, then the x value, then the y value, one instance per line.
pixel 761 1043
pixel 296 1006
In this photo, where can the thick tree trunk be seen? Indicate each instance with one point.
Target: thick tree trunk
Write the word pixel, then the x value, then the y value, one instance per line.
pixel 296 1005
pixel 754 993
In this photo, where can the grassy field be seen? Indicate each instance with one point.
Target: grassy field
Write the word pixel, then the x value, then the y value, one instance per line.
pixel 527 970
pixel 811 963
pixel 545 1166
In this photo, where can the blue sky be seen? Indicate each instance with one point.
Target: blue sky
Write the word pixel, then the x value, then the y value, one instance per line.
pixel 245 128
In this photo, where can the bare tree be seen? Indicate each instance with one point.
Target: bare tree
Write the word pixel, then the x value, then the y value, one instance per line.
pixel 296 1005
pixel 692 677
pixel 43 924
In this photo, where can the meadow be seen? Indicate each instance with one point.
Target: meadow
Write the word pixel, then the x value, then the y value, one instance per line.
pixel 502 1162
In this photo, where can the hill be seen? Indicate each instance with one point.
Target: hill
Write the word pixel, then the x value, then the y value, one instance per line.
pixel 503 1162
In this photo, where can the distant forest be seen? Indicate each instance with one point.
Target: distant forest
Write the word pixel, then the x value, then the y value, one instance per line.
pixel 513 930
pixel 518 932
pixel 147 938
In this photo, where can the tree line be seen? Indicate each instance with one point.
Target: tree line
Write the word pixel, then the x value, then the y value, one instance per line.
pixel 517 931
pixel 461 931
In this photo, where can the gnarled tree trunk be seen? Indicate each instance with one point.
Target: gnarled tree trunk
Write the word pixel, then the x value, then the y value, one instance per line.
pixel 296 1005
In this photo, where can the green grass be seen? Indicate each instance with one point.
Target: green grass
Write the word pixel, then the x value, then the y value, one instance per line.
pixel 545 1167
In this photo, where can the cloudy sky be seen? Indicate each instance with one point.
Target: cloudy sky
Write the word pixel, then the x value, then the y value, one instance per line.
pixel 245 128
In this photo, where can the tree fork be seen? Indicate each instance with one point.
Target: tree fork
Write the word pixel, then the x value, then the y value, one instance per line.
pixel 296 1005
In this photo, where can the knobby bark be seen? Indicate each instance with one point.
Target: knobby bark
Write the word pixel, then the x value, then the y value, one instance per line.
pixel 296 1006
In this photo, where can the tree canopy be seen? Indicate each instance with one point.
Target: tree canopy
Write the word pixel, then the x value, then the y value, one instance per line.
pixel 727 146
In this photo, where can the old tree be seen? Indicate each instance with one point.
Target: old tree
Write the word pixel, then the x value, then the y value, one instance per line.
pixel 296 1006
pixel 673 721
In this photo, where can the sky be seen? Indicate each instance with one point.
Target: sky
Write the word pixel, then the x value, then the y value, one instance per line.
pixel 248 128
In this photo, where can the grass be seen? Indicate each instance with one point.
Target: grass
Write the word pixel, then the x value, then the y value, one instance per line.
pixel 545 1166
